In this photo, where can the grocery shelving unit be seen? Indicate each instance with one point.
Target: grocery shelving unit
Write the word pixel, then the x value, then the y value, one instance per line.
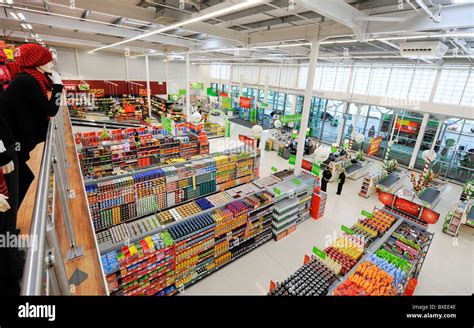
pixel 454 219
pixel 116 200
pixel 229 224
pixel 108 157
pixel 369 183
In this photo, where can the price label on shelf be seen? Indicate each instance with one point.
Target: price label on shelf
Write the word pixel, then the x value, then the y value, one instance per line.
pixel 347 230
pixel 297 182
pixel 277 191
pixel 319 252
pixel 367 214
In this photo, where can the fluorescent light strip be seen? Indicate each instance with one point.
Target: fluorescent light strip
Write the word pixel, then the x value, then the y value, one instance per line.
pixel 14 15
pixel 22 17
pixel 186 22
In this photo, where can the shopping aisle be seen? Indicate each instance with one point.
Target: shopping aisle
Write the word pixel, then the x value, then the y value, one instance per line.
pixel 447 269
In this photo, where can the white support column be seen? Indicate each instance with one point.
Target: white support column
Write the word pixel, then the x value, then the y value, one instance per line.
pixel 241 84
pixel 293 104
pixel 148 89
pixel 340 130
pixel 313 58
pixel 127 72
pixel 265 90
pixel 78 67
pixel 419 139
pixel 438 130
pixel 188 89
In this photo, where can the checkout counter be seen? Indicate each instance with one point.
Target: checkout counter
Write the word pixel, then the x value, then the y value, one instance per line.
pixel 357 168
pixel 391 182
pixel 431 195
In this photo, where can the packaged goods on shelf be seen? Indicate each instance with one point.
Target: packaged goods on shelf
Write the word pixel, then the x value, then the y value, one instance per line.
pixel 312 279
pixel 205 234
pixel 123 199
pixel 105 158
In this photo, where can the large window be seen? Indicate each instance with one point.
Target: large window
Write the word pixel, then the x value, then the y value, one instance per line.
pixel 451 85
pixel 455 150
pixel 331 118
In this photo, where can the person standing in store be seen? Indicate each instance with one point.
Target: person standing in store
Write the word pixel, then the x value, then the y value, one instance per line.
pixel 327 175
pixel 372 132
pixel 26 107
pixel 342 180
pixel 25 110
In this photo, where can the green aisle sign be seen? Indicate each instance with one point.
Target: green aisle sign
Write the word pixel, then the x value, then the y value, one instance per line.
pixel 297 182
pixel 212 92
pixel 292 160
pixel 226 102
pixel 367 214
pixel 319 253
pixel 253 115
pixel 277 191
pixel 290 118
pixel 274 169
pixel 315 169
pixel 182 92
pixel 197 85
pixel 347 230
pixel 168 124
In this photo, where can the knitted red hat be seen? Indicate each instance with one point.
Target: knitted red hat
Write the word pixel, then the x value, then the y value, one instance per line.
pixel 33 55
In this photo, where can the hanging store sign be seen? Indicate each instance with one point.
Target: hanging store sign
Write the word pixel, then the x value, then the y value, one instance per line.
pixel 226 102
pixel 404 125
pixel 292 160
pixel 290 118
pixel 374 146
pixel 319 252
pixel 212 92
pixel 143 92
pixel 245 102
pixel 168 124
pixel 182 92
pixel 197 85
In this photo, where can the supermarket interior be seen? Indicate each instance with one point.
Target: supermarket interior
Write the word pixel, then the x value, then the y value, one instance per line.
pixel 236 147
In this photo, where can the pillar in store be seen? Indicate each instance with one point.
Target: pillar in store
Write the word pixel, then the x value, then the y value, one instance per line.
pixel 188 96
pixel 148 89
pixel 241 85
pixel 313 58
pixel 354 127
pixel 340 130
pixel 438 131
pixel 265 90
pixel 419 139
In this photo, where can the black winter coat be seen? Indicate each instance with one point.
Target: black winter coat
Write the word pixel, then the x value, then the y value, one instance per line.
pixel 24 115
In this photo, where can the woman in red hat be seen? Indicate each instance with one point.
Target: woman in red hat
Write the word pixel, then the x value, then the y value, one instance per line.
pixel 25 109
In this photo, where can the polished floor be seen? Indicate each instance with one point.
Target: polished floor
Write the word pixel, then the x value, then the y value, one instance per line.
pixel 448 268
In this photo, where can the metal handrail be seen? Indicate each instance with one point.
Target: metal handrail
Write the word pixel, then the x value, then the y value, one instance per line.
pixel 33 272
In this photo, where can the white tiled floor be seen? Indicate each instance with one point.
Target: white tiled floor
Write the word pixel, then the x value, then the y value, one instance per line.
pixel 448 268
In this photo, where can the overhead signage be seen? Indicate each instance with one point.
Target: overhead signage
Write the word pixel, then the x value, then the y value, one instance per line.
pixel 290 118
pixel 374 146
pixel 245 102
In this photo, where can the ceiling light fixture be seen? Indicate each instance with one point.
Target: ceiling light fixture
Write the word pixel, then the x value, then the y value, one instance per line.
pixel 196 19
pixel 14 15
pixel 22 17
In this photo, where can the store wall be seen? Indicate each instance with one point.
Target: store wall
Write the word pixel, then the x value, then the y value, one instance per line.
pixel 106 66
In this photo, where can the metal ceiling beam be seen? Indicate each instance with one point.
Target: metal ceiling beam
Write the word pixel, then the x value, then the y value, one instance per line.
pixel 111 7
pixel 253 11
pixel 304 32
pixel 452 17
pixel 282 20
pixel 341 12
pixel 90 27
pixel 81 37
